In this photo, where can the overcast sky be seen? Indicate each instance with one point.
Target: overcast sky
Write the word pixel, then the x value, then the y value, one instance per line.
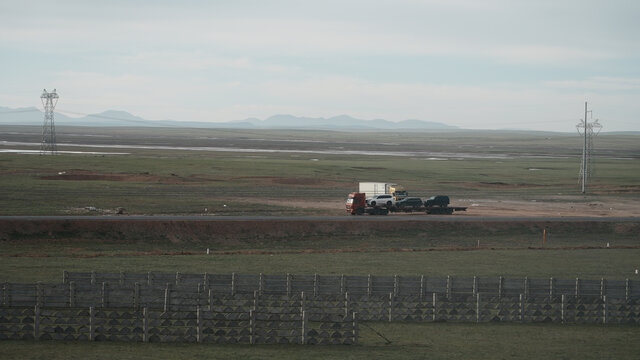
pixel 474 64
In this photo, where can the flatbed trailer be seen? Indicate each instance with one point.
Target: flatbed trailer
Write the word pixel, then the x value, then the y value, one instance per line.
pixel 439 210
pixel 372 211
pixel 356 205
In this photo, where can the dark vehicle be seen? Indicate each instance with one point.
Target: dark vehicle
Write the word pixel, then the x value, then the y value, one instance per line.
pixel 438 200
pixel 410 203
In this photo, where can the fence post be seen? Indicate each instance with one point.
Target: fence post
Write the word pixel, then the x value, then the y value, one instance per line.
pixel 391 307
pixel 627 290
pixel 304 327
pixel 603 287
pixel 500 286
pixel 526 287
pixel 449 286
pixel 145 324
pixel 210 299
pixel 288 285
pixel 256 297
pixel 36 323
pixel 136 296
pixel 233 284
pixel 93 277
pixel 605 309
pixel 72 294
pixel 65 277
pixel 550 288
pixel 342 284
pixel 435 306
pixel 39 294
pixel 178 278
pixel 6 294
pixel 302 302
pixel 261 284
pixel 369 285
pixel 122 278
pixel 149 278
pixel 252 325
pixel 396 285
pixel 563 310
pixel 421 287
pixel 346 304
pixel 355 328
pixel 92 324
pixel 522 298
pixel 105 296
pixel 199 324
pixel 474 287
pixel 577 286
pixel 166 298
pixel 206 280
pixel 478 308
pixel 315 285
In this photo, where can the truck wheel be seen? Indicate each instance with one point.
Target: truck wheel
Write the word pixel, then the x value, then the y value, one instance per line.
pixel 373 203
pixel 389 203
pixel 360 211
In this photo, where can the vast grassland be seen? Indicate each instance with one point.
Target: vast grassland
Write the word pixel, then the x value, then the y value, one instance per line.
pixel 164 180
pixel 319 166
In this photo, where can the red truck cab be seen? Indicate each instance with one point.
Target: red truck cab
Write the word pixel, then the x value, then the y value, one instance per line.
pixel 356 202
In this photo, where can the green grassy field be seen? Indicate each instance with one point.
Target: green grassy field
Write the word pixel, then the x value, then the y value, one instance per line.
pixel 170 181
pixel 565 264
pixel 408 341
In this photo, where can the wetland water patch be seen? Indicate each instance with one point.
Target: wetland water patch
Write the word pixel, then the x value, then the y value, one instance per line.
pixel 417 154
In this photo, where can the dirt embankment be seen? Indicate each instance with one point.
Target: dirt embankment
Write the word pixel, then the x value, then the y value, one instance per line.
pixel 228 232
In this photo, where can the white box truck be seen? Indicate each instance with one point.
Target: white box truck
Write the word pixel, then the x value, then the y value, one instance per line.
pixel 377 188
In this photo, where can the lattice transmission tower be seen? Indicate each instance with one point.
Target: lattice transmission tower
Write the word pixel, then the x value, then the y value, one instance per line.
pixel 588 130
pixel 49 101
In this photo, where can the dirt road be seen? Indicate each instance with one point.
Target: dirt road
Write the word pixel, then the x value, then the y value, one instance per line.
pixel 559 206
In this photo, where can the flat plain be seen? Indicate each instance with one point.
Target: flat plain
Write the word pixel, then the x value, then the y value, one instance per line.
pixel 213 173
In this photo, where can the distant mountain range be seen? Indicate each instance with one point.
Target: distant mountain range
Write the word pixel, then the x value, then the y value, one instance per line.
pixel 339 122
pixel 114 118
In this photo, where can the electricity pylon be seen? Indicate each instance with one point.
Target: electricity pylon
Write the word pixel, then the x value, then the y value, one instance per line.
pixel 588 130
pixel 49 101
